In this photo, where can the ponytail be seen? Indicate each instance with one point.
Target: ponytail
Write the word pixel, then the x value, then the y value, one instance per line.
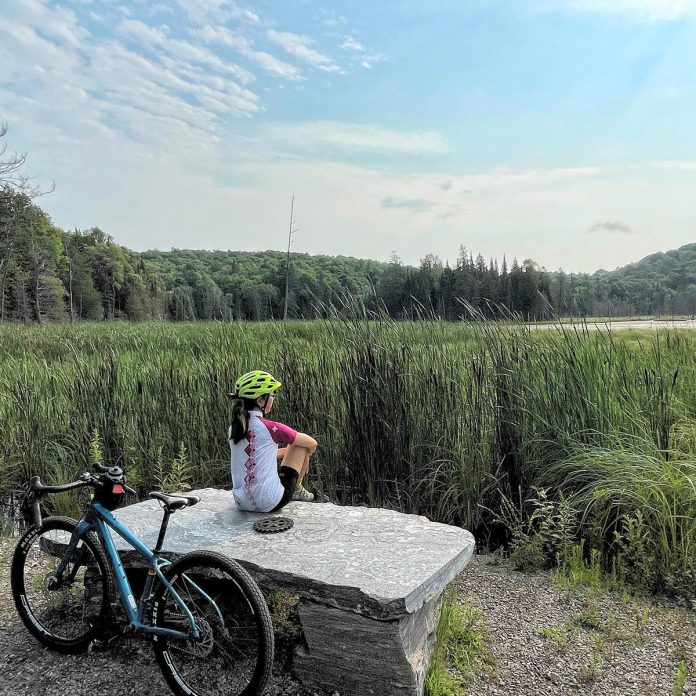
pixel 240 417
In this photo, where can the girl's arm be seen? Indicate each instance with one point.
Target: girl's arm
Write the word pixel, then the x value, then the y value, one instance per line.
pixel 307 441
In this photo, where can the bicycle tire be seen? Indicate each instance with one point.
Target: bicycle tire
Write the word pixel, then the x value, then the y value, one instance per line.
pixel 83 604
pixel 206 667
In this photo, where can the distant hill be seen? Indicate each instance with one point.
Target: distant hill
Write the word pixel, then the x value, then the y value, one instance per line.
pixel 675 269
pixel 659 284
pixel 48 274
pixel 252 284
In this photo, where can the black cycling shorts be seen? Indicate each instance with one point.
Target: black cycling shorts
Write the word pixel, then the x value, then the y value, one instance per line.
pixel 288 477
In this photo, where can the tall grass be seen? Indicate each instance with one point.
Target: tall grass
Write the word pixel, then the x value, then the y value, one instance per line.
pixel 642 504
pixel 425 417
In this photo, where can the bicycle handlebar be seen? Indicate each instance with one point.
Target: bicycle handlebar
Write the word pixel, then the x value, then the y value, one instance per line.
pixel 37 490
pixel 39 487
pixel 85 480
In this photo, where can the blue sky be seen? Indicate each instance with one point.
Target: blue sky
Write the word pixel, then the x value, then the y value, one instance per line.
pixel 561 130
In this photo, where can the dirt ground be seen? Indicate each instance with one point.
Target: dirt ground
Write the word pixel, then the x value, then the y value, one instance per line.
pixel 542 640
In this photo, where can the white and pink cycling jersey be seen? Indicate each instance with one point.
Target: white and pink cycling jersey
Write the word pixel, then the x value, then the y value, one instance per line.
pixel 255 483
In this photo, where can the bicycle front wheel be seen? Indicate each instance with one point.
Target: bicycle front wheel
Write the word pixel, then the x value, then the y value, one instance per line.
pixel 233 654
pixel 67 611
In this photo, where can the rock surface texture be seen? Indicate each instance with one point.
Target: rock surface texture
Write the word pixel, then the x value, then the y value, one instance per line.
pixel 369 581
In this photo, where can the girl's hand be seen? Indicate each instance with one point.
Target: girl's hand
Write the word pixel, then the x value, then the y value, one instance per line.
pixel 282 451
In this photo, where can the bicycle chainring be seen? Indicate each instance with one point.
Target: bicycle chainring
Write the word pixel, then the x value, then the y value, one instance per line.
pixel 273 525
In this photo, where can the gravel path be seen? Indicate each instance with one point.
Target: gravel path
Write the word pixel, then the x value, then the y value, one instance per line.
pixel 543 640
pixel 128 667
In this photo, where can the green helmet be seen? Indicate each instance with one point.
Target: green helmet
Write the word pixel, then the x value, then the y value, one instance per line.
pixel 256 383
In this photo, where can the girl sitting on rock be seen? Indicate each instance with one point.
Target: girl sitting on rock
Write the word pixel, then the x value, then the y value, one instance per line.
pixel 258 485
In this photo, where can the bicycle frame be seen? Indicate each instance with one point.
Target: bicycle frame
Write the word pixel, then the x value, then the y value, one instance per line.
pixel 100 519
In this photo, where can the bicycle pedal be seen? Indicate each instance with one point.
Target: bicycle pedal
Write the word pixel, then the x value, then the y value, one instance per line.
pixel 97 646
pixel 104 643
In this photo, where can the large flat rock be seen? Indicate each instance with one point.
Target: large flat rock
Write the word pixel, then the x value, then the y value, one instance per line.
pixel 380 563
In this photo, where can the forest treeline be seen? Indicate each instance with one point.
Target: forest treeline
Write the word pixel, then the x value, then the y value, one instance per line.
pixel 49 274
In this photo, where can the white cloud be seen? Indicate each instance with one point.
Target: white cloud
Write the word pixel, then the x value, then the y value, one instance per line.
pixel 190 52
pixel 132 80
pixel 82 91
pixel 320 135
pixel 55 23
pixel 250 16
pixel 201 11
pixel 686 165
pixel 167 190
pixel 219 11
pixel 143 32
pixel 372 60
pixel 611 226
pixel 352 45
pixel 140 138
pixel 417 205
pixel 330 19
pixel 648 10
pixel 241 44
pixel 300 47
pixel 353 210
pixel 156 39
pixel 272 65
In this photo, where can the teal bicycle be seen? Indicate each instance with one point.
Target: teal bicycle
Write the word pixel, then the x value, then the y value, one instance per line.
pixel 208 621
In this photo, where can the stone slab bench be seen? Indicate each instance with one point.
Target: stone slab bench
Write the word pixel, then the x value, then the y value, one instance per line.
pixel 369 581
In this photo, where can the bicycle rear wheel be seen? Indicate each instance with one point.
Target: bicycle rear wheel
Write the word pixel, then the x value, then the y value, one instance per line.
pixel 234 654
pixel 65 613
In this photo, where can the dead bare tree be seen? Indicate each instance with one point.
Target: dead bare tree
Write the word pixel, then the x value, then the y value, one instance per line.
pixel 287 266
pixel 12 179
pixel 71 268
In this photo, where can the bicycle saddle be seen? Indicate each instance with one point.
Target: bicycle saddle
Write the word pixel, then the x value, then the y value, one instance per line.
pixel 174 502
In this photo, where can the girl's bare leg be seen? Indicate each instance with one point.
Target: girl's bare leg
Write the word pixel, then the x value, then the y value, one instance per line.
pixel 304 470
pixel 297 458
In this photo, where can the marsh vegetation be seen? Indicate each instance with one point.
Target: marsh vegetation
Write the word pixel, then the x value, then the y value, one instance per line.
pixel 539 439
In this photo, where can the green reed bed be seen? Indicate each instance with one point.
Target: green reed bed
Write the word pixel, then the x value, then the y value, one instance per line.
pixel 609 425
pixel 426 417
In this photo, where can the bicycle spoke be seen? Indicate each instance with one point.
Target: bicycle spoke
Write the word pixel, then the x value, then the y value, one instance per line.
pixel 192 604
pixel 225 658
pixel 62 609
